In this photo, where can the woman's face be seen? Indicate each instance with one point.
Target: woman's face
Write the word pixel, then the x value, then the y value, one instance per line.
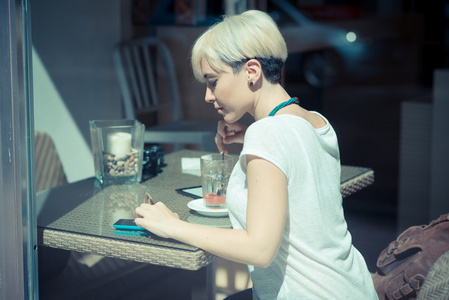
pixel 228 92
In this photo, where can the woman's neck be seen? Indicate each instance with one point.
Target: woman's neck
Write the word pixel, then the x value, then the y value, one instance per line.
pixel 269 97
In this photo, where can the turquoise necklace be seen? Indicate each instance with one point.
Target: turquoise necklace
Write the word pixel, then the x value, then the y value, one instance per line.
pixel 282 105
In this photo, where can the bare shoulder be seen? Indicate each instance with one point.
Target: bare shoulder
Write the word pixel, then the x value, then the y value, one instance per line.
pixel 314 119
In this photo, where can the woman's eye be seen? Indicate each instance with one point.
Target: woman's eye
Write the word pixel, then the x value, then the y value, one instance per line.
pixel 213 83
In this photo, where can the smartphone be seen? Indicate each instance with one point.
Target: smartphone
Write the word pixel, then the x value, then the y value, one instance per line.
pixel 127 224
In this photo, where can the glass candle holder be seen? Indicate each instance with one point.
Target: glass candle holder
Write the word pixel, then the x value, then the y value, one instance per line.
pixel 117 148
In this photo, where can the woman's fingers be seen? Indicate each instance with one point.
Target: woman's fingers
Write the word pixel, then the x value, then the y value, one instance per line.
pixel 140 222
pixel 142 210
pixel 155 217
pixel 228 133
pixel 220 144
pixel 234 138
pixel 148 198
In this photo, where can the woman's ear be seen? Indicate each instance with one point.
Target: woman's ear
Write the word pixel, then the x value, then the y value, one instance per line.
pixel 253 70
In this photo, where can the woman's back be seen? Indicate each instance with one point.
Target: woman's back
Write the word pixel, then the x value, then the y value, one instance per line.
pixel 316 259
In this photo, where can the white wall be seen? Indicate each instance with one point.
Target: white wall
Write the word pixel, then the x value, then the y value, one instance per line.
pixel 423 179
pixel 52 116
pixel 439 188
pixel 74 78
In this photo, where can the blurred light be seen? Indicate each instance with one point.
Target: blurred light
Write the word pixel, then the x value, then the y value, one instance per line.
pixel 351 37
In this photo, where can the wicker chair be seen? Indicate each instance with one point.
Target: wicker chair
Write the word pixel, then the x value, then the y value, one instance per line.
pixel 436 284
pixel 49 171
pixel 49 174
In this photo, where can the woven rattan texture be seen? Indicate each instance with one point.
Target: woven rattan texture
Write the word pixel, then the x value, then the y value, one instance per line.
pixel 88 226
pixel 49 171
pixel 96 215
pixel 74 223
pixel 354 179
pixel 139 252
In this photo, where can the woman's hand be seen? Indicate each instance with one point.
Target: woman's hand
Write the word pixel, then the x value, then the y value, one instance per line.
pixel 265 220
pixel 228 133
pixel 157 218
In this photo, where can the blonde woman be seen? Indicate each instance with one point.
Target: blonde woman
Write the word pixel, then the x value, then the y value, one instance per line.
pixel 283 196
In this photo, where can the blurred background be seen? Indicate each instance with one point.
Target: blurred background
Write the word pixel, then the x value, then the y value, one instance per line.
pixel 377 69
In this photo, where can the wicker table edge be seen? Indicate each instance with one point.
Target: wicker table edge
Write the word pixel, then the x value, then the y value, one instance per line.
pixel 357 183
pixel 139 252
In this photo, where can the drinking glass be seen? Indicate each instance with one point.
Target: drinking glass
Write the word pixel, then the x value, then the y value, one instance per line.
pixel 215 172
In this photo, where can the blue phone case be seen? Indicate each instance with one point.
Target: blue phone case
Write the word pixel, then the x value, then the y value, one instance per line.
pixel 127 224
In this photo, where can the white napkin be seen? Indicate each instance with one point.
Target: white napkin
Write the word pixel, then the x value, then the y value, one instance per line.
pixel 191 166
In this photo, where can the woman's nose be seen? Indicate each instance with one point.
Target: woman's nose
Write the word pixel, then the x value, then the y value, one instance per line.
pixel 210 97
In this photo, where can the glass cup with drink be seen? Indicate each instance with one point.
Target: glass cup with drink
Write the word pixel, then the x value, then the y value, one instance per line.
pixel 215 172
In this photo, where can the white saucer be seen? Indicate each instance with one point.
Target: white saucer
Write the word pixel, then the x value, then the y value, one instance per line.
pixel 198 206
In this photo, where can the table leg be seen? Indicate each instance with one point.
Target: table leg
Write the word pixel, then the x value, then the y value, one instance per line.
pixel 204 283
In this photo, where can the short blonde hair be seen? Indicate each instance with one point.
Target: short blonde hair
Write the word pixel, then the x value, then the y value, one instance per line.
pixel 252 34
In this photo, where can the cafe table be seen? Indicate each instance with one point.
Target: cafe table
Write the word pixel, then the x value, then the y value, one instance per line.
pixel 79 216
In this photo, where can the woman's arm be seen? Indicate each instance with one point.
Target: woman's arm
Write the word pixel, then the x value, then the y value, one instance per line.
pixel 266 214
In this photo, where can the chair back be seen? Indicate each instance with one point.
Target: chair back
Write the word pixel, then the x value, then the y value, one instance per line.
pixel 143 65
pixel 49 170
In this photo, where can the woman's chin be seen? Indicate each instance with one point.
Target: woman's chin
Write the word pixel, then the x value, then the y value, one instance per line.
pixel 229 119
